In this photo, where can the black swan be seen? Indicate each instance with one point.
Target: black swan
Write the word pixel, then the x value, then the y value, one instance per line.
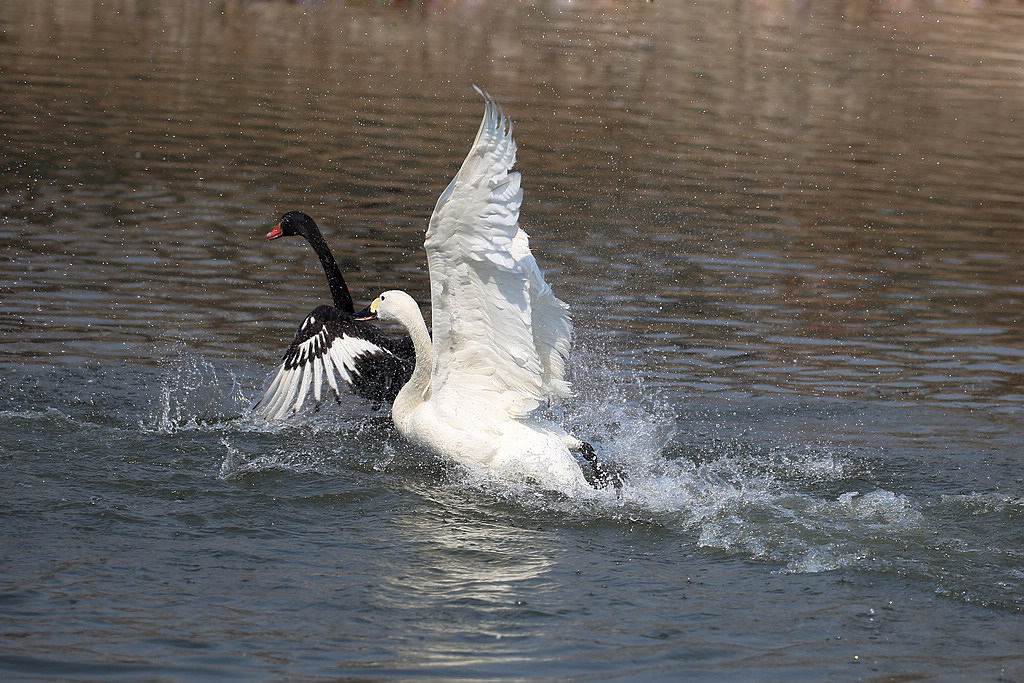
pixel 331 344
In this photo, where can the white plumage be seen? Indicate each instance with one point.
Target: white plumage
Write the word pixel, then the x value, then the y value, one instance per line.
pixel 500 335
pixel 490 303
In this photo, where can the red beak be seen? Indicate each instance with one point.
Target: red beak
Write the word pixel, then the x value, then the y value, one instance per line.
pixel 275 233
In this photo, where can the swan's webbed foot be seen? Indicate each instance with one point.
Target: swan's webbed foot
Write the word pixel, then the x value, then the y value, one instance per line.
pixel 599 474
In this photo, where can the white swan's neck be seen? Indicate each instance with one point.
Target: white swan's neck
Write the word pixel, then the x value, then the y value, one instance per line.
pixel 416 390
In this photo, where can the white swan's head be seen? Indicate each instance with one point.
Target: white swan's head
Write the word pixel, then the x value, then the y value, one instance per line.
pixel 393 305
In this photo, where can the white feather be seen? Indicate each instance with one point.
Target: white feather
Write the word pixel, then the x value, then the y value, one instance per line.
pixel 318 376
pixel 490 304
pixel 329 372
pixel 307 378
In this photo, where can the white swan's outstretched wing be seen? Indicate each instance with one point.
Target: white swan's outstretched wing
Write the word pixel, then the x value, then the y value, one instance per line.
pixel 499 333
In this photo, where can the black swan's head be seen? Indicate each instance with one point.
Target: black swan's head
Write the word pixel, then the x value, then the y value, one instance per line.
pixel 294 223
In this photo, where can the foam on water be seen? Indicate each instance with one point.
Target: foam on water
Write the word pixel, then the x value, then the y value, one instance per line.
pixel 238 463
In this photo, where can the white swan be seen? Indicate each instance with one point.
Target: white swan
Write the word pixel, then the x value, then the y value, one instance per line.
pixel 501 337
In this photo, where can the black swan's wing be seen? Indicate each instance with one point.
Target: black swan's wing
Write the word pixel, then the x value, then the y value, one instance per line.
pixel 330 346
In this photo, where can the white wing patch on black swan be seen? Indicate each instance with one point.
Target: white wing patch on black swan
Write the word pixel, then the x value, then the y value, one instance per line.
pixel 330 345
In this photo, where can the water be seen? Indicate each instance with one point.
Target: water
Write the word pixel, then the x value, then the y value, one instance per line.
pixel 791 237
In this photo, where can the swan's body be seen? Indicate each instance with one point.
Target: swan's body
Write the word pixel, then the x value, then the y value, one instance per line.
pixel 331 346
pixel 469 420
pixel 500 336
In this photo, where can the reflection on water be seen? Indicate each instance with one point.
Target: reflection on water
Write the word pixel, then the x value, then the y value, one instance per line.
pixel 471 576
pixel 769 198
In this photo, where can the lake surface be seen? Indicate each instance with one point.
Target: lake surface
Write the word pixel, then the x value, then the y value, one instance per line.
pixel 792 237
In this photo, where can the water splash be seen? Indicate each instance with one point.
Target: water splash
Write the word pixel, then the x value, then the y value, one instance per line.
pixel 805 507
pixel 798 506
pixel 627 421
pixel 238 462
pixel 194 395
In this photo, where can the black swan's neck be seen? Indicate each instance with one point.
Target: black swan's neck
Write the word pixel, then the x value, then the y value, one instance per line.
pixel 339 290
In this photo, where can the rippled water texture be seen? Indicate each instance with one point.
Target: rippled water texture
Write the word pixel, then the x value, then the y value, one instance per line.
pixel 792 236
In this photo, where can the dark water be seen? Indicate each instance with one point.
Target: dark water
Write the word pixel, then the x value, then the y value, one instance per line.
pixel 792 238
